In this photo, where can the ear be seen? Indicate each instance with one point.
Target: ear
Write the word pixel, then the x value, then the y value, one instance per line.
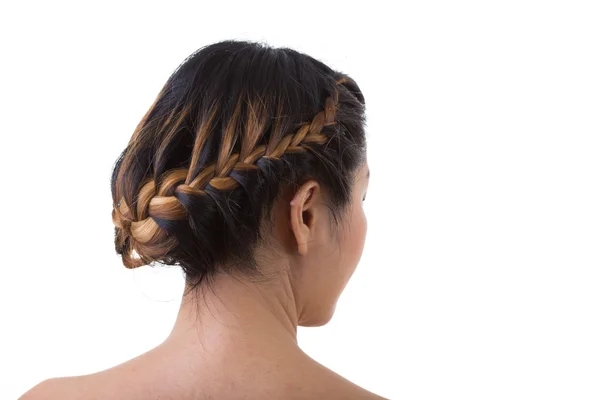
pixel 303 214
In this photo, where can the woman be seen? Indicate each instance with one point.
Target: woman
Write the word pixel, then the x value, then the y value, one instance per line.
pixel 249 172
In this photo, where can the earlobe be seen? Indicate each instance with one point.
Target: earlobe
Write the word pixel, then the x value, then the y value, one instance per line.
pixel 302 214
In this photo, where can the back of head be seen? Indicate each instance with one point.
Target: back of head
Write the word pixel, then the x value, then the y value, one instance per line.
pixel 235 125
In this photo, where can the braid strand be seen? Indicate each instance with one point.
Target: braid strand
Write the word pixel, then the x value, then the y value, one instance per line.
pixel 139 231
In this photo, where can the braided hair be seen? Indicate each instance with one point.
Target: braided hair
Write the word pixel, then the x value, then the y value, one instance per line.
pixel 234 125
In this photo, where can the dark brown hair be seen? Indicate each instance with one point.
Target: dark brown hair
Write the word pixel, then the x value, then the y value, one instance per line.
pixel 235 124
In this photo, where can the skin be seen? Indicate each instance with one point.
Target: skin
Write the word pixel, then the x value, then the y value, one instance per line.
pixel 237 340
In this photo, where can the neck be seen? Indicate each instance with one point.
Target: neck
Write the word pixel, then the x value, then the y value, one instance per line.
pixel 231 307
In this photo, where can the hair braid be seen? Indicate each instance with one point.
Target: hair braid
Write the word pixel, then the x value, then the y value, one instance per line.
pixel 158 200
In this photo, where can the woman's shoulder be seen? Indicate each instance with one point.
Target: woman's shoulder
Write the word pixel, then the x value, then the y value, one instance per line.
pixel 304 379
pixel 55 388
pixel 325 383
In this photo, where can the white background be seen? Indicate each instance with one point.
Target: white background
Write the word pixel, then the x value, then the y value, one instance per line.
pixel 480 277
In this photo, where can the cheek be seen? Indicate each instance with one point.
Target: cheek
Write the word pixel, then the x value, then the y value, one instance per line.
pixel 354 242
pixel 335 269
pixel 359 233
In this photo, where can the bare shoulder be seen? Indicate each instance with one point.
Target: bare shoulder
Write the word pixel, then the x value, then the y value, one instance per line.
pixel 56 388
pixel 298 377
pixel 325 383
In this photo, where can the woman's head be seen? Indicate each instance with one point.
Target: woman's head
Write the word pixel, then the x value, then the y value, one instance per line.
pixel 250 155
